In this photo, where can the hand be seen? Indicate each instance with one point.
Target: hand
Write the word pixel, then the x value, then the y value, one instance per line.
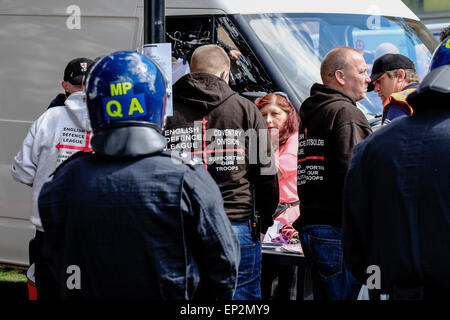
pixel 234 54
pixel 262 235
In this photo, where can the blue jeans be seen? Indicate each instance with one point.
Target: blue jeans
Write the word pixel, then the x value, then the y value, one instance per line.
pixel 249 275
pixel 331 279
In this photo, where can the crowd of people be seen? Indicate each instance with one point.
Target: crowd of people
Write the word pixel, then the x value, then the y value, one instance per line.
pixel 181 204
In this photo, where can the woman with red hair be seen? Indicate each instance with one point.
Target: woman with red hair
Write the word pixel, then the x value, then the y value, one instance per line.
pixel 282 121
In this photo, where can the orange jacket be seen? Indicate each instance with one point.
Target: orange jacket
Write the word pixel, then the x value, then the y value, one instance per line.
pixel 399 98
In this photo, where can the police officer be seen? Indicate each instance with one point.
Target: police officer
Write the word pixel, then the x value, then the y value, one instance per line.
pixel 396 203
pixel 131 221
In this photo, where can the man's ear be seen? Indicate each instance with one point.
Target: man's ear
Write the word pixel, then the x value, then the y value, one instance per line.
pixel 223 75
pixel 339 74
pixel 401 74
pixel 65 85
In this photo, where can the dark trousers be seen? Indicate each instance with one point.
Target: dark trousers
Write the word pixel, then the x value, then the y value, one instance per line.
pixel 279 282
pixel 322 245
pixel 46 284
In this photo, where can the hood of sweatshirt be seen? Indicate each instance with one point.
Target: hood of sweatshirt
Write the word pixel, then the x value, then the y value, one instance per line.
pixel 201 90
pixel 75 105
pixel 321 95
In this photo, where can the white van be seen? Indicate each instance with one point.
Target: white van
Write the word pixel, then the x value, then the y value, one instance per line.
pixel 282 44
pixel 37 40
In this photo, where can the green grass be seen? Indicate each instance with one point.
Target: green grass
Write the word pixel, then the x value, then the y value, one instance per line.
pixel 12 275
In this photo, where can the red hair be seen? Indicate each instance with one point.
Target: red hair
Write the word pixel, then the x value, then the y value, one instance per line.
pixel 293 120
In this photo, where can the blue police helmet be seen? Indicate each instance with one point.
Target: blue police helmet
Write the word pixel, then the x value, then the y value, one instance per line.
pixel 441 55
pixel 126 89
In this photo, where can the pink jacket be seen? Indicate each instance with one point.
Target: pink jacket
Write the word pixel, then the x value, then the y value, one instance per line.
pixel 286 162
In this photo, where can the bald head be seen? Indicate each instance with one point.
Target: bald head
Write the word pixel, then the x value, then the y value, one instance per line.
pixel 345 69
pixel 385 47
pixel 210 59
pixel 336 59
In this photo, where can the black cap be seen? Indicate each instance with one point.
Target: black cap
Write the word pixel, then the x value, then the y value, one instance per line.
pixel 388 62
pixel 76 69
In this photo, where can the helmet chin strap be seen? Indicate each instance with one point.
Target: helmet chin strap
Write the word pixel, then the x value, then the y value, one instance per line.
pixel 128 141
pixel 130 123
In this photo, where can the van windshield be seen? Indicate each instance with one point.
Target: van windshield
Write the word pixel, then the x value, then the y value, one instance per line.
pixel 297 43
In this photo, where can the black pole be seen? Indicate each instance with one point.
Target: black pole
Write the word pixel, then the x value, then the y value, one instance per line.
pixel 154 21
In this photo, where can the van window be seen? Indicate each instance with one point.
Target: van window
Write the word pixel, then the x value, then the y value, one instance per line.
pixel 391 39
pixel 187 33
pixel 247 74
pixel 297 43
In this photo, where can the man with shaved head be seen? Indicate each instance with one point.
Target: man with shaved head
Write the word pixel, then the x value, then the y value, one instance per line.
pixel 384 48
pixel 331 125
pixel 211 59
pixel 230 135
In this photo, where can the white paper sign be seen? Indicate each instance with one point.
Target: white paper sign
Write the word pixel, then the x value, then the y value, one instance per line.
pixel 161 53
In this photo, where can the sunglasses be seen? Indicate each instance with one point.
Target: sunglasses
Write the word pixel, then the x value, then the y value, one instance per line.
pixel 282 94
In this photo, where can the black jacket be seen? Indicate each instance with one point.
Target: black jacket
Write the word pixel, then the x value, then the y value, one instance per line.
pixel 138 224
pixel 57 101
pixel 229 133
pixel 397 204
pixel 331 125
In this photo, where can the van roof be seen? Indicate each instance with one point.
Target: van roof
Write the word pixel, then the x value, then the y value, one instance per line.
pixel 377 7
pixel 181 7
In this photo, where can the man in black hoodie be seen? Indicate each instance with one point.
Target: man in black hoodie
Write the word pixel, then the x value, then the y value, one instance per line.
pixel 331 125
pixel 230 135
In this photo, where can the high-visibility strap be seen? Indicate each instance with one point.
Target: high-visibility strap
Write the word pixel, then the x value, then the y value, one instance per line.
pixel 400 98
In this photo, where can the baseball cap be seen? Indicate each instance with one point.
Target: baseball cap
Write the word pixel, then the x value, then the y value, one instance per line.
pixel 388 62
pixel 76 69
